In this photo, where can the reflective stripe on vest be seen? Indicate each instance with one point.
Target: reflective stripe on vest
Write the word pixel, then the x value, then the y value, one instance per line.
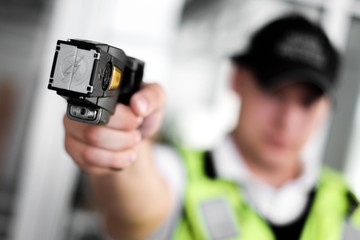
pixel 352 226
pixel 218 219
pixel 216 209
pixel 350 231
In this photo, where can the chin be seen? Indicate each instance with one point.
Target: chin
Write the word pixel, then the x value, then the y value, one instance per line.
pixel 277 159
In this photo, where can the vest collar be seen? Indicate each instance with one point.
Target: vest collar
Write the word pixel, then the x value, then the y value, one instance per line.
pixel 278 205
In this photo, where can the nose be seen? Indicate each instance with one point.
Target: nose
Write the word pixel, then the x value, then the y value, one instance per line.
pixel 290 116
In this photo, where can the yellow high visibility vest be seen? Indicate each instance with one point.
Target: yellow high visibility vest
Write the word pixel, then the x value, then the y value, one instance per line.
pixel 215 209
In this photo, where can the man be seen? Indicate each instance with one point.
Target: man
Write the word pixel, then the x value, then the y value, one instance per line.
pixel 253 186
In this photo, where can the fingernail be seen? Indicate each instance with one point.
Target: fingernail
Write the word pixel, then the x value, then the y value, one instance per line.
pixel 132 157
pixel 141 104
pixel 139 120
pixel 138 137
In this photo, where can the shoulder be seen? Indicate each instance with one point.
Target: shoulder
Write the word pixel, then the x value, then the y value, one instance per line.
pixel 333 184
pixel 331 176
pixel 334 187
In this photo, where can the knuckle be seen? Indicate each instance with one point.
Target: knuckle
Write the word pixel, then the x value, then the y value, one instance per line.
pixel 127 118
pixel 159 94
pixel 129 123
pixel 159 89
pixel 92 135
pixel 129 140
pixel 88 155
pixel 123 111
pixel 119 109
pixel 112 158
pixel 67 145
pixel 118 161
pixel 64 120
pixel 117 164
pixel 133 123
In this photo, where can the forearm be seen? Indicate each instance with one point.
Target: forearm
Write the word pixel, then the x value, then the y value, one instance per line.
pixel 134 201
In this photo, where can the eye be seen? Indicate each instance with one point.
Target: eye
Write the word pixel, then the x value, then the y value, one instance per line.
pixel 311 95
pixel 273 96
pixel 308 101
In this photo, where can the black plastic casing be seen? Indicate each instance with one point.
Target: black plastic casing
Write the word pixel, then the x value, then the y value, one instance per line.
pixel 97 97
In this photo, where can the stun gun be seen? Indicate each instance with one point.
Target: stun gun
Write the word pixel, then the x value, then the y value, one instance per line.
pixel 93 77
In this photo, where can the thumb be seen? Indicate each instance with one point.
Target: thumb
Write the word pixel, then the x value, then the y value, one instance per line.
pixel 149 103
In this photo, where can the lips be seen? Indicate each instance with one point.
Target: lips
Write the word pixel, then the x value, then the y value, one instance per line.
pixel 278 142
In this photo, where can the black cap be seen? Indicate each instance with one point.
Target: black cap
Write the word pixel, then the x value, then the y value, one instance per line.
pixel 291 49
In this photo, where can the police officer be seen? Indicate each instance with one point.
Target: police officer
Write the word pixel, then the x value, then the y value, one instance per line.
pixel 255 184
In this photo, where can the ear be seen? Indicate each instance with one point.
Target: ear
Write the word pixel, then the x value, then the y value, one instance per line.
pixel 237 79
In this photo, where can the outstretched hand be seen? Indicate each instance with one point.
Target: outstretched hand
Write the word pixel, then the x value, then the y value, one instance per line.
pixel 101 149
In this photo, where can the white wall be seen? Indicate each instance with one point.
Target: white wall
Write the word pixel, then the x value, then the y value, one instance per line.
pixel 142 28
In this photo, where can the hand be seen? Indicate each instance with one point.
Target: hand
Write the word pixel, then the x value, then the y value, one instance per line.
pixel 100 149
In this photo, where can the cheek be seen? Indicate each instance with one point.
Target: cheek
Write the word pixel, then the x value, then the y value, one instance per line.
pixel 301 135
pixel 263 112
pixel 257 116
pixel 311 123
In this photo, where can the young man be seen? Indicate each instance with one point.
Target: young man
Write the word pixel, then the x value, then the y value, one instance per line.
pixel 252 186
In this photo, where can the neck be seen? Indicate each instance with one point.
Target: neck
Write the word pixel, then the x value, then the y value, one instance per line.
pixel 275 176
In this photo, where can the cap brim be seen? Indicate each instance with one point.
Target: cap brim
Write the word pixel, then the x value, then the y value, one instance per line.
pixel 245 59
pixel 300 76
pixel 272 77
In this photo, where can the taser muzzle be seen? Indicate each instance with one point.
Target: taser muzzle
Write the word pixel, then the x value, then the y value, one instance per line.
pixel 93 77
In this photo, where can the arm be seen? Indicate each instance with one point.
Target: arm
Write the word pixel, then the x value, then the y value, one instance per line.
pixel 135 200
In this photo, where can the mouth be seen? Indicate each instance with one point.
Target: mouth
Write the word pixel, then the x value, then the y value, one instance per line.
pixel 278 142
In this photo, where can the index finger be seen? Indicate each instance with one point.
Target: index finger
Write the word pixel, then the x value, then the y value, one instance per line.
pixel 148 99
pixel 124 118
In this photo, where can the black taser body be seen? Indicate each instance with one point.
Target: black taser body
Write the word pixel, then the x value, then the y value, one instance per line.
pixel 93 77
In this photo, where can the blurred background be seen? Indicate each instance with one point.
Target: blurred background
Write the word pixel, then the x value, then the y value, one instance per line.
pixel 185 44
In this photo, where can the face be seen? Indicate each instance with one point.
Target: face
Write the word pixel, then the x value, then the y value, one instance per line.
pixel 274 125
